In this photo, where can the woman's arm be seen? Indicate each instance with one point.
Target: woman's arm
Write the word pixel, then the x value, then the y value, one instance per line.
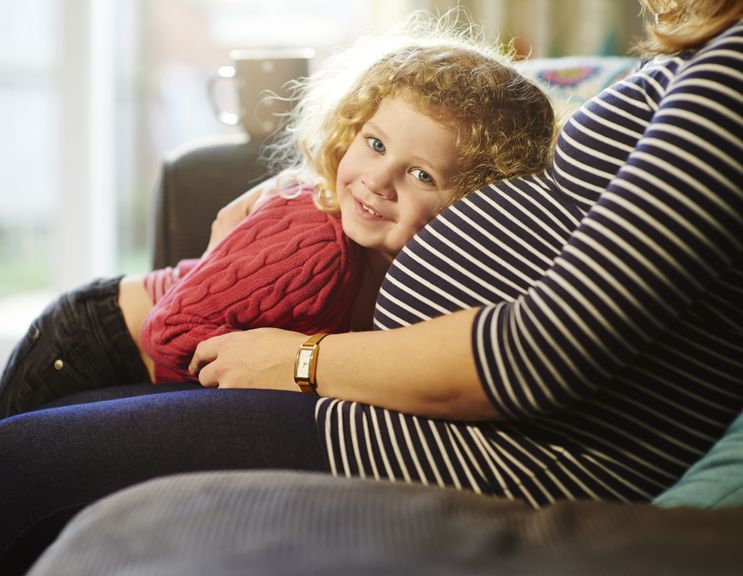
pixel 425 369
pixel 665 234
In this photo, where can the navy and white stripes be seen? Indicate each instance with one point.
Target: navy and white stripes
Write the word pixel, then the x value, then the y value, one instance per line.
pixel 610 333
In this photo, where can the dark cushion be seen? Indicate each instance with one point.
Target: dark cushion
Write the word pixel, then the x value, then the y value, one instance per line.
pixel 282 523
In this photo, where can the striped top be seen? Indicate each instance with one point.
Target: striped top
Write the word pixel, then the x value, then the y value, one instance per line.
pixel 610 287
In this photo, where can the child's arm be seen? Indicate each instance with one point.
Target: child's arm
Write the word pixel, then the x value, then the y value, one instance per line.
pixel 138 293
pixel 233 213
pixel 288 264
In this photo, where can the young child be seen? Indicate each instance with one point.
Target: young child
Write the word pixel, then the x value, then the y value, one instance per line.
pixel 433 115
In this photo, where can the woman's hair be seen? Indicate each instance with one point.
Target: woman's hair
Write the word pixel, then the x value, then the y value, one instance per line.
pixel 683 24
pixel 503 124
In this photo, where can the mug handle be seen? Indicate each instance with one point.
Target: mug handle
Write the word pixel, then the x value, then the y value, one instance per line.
pixel 224 73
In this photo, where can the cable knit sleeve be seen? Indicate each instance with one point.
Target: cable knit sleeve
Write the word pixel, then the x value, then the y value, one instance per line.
pixel 287 265
pixel 158 282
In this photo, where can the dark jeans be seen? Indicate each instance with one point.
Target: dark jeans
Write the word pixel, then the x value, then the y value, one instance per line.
pixel 79 342
pixel 55 461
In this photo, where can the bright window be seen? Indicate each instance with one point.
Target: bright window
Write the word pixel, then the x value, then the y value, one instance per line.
pixel 29 163
pixel 93 93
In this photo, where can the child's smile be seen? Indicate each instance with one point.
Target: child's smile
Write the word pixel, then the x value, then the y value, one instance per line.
pixel 395 176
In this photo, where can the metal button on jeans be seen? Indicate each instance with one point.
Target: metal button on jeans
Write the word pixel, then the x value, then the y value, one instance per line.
pixel 58 364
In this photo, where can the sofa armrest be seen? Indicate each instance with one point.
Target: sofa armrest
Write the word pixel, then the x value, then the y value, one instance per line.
pixel 195 182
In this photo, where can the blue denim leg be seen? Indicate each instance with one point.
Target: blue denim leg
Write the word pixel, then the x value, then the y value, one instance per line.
pixel 58 460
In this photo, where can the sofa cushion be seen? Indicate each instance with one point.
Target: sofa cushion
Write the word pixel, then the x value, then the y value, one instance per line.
pixel 284 524
pixel 714 481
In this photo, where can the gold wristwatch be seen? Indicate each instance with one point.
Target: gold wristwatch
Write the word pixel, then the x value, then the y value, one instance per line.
pixel 305 364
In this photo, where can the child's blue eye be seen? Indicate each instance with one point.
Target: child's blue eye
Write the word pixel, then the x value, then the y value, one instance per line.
pixel 375 144
pixel 423 176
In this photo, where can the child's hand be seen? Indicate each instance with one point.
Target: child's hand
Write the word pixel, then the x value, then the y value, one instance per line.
pixel 233 213
pixel 227 219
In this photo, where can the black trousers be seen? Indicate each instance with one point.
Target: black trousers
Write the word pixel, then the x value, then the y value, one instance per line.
pixel 79 342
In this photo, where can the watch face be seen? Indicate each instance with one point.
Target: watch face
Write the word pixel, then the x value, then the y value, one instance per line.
pixel 303 363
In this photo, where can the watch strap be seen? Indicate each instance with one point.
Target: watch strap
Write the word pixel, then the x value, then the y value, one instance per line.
pixel 311 347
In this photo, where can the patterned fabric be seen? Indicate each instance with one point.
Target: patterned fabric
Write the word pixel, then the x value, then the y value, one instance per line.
pixel 570 82
pixel 610 334
pixel 286 265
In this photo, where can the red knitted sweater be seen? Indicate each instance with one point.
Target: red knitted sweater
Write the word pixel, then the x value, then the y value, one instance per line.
pixel 286 265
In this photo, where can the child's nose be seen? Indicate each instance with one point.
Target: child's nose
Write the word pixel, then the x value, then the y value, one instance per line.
pixel 380 183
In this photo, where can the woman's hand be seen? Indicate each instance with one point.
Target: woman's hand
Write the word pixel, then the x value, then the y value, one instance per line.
pixel 426 369
pixel 259 358
pixel 233 213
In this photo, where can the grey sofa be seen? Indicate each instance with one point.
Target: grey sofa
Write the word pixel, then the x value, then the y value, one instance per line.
pixel 285 524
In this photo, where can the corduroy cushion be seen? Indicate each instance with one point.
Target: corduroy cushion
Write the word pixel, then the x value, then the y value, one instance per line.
pixel 284 524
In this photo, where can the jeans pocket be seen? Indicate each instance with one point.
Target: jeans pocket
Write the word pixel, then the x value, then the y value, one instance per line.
pixel 40 370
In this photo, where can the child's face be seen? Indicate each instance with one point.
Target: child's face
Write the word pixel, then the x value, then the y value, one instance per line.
pixel 395 176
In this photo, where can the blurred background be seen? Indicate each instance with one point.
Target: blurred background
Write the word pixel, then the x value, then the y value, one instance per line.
pixel 93 94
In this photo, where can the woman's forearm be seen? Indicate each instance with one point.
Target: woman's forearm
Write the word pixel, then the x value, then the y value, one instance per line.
pixel 426 369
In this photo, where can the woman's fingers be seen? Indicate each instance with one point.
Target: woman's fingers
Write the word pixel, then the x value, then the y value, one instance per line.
pixel 205 353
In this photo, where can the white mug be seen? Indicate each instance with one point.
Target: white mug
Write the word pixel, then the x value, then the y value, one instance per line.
pixel 257 74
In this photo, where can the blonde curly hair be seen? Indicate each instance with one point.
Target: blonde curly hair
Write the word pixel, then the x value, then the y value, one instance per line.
pixel 681 24
pixel 503 124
